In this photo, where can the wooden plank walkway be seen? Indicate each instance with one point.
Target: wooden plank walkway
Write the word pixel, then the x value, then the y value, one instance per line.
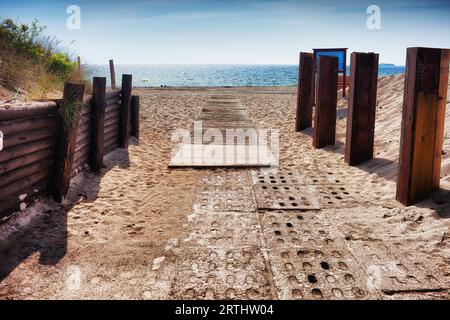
pixel 223 117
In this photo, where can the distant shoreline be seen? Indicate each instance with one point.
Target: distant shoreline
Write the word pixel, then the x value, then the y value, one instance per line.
pixel 193 76
pixel 204 88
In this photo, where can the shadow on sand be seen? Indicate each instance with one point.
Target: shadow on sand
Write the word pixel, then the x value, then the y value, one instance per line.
pixel 47 232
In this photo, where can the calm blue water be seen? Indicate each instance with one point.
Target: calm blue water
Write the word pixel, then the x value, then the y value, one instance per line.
pixel 212 75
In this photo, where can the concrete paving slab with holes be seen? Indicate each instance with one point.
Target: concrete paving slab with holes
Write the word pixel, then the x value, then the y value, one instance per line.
pixel 283 190
pixel 339 196
pixel 326 272
pixel 222 273
pixel 295 177
pixel 224 229
pixel 286 196
pixel 292 190
pixel 391 272
pixel 224 192
pixel 309 260
pixel 290 228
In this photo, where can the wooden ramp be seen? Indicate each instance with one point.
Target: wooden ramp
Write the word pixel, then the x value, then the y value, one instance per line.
pixel 223 135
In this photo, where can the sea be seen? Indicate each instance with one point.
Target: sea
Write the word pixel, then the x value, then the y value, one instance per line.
pixel 213 75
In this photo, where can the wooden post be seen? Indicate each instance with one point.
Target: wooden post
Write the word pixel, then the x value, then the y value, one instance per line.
pixel 69 115
pixel 79 66
pixel 135 116
pixel 362 102
pixel 98 123
pixel 113 74
pixel 423 120
pixel 126 110
pixel 344 76
pixel 325 118
pixel 305 92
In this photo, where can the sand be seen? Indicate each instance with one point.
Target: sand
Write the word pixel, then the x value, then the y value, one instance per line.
pixel 142 231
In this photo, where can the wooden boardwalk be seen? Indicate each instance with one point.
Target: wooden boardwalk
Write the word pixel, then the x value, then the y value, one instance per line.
pixel 224 112
pixel 223 135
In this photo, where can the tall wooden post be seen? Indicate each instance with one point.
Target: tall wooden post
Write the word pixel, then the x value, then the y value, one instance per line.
pixel 305 92
pixel 325 118
pixel 344 76
pixel 79 66
pixel 98 123
pixel 125 110
pixel 361 108
pixel 69 115
pixel 135 116
pixel 113 74
pixel 423 120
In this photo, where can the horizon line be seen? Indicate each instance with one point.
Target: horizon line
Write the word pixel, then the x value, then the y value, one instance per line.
pixel 212 64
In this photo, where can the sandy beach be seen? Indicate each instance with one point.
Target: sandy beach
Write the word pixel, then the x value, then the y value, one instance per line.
pixel 132 232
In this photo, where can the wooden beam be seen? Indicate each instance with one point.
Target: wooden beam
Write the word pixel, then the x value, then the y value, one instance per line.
pixel 35 109
pixel 26 159
pixel 125 110
pixel 344 76
pixel 20 125
pixel 135 116
pixel 11 204
pixel 98 123
pixel 69 114
pixel 305 92
pixel 325 118
pixel 79 67
pixel 362 103
pixel 113 74
pixel 423 120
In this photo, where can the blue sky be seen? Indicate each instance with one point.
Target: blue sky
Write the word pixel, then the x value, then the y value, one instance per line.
pixel 236 32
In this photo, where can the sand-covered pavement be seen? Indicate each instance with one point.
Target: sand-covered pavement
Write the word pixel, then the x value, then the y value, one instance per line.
pixel 143 231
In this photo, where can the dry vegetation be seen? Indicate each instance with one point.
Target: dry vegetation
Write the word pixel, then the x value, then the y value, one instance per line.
pixel 32 64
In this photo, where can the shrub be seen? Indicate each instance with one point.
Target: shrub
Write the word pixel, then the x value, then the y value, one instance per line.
pixel 60 65
pixel 32 61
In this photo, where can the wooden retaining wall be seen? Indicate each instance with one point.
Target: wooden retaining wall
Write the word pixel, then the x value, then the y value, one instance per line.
pixel 31 134
pixel 83 141
pixel 26 162
pixel 85 130
pixel 112 121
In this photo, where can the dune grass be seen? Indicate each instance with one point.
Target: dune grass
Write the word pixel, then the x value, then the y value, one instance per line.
pixel 33 63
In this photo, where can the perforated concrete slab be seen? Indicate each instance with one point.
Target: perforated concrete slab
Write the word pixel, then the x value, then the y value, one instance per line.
pixel 292 229
pixel 338 196
pixel 216 273
pixel 224 192
pixel 296 177
pixel 286 197
pixel 277 178
pixel 230 179
pixel 317 273
pixel 325 178
pixel 292 190
pixel 390 273
pixel 224 229
pixel 309 259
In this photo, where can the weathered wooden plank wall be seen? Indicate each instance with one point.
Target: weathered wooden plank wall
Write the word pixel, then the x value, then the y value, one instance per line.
pixel 83 141
pixel 33 161
pixel 112 121
pixel 26 161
